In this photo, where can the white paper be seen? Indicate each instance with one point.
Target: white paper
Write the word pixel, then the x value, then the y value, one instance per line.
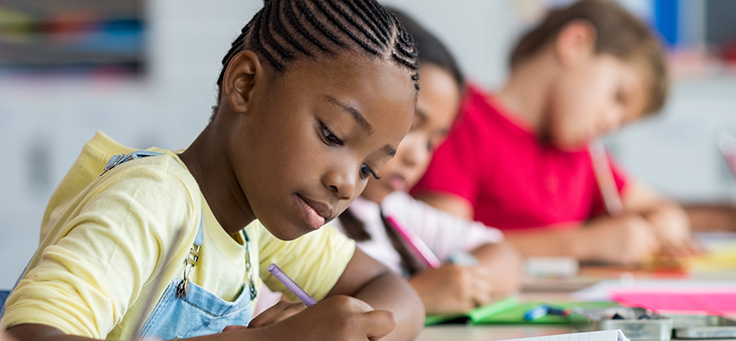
pixel 604 335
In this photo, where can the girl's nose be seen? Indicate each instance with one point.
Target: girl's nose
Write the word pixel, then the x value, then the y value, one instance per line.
pixel 413 151
pixel 341 181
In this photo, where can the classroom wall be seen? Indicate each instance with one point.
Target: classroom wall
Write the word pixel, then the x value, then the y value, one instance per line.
pixel 44 120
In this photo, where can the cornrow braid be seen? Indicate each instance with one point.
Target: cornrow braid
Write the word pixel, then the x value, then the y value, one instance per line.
pixel 285 31
pixel 362 15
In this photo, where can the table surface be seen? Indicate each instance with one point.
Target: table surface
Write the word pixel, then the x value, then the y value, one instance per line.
pixel 505 332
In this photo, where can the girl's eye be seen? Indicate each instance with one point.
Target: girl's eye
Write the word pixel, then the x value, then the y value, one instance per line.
pixel 330 138
pixel 366 171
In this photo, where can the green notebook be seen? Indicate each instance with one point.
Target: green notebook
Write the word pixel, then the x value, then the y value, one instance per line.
pixel 510 311
pixel 474 315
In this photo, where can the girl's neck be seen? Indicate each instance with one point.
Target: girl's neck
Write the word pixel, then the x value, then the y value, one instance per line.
pixel 208 163
pixel 526 93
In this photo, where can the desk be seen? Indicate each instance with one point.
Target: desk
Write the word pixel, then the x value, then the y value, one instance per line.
pixel 504 332
pixel 485 333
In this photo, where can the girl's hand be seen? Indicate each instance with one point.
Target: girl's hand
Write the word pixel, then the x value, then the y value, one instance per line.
pixel 628 239
pixel 335 318
pixel 277 313
pixel 453 288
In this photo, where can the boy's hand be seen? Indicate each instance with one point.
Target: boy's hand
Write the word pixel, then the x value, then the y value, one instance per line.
pixel 453 288
pixel 629 239
pixel 672 227
pixel 335 318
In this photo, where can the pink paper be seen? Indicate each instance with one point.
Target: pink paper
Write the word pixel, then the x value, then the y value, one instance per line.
pixel 719 303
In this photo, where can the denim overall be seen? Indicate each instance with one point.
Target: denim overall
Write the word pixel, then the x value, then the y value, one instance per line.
pixel 185 309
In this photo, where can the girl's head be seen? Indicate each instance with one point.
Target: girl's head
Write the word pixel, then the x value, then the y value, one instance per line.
pixel 315 96
pixel 610 70
pixel 437 104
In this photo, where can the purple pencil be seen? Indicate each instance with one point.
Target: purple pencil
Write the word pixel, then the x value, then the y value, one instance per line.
pixel 291 285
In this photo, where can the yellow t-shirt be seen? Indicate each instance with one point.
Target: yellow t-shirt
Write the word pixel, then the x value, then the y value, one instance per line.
pixel 104 239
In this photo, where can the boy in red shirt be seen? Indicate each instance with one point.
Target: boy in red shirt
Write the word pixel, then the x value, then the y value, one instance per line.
pixel 518 160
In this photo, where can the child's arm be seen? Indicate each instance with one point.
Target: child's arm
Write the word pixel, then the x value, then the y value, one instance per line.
pixel 670 221
pixel 370 281
pixel 335 318
pixel 628 239
pixel 711 216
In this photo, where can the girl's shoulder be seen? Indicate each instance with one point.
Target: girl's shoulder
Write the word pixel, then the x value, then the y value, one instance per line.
pixel 164 175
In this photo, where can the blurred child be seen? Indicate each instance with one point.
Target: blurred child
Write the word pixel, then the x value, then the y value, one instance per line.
pixel 519 161
pixel 314 98
pixel 451 287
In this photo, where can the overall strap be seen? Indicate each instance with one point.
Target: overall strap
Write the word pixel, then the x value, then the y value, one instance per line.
pixel 118 159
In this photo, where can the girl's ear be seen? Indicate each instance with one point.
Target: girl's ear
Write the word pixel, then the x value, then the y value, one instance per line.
pixel 575 42
pixel 240 78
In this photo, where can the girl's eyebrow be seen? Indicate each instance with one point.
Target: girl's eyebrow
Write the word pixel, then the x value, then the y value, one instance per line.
pixel 362 122
pixel 391 151
pixel 359 118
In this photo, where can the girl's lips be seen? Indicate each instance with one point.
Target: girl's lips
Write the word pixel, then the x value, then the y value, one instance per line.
pixel 397 182
pixel 313 219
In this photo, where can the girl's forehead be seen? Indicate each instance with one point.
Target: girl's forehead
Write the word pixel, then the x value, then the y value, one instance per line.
pixel 368 82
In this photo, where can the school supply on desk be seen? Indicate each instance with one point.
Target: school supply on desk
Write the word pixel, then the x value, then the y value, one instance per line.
pixel 636 323
pixel 511 311
pixel 605 335
pixel 474 316
pixel 604 176
pixel 703 327
pixel 719 252
pixel 515 315
pixel 544 310
pixel 535 312
pixel 291 285
pixel 690 301
pixel 415 243
pixel 668 296
pixel 564 267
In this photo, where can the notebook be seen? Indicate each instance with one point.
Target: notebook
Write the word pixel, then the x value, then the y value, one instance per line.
pixel 511 311
pixel 473 316
pixel 604 335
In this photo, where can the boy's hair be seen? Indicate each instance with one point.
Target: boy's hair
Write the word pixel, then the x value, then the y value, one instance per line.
pixel 618 33
pixel 286 31
pixel 430 49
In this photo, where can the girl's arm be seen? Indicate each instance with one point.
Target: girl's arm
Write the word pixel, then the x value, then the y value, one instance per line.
pixel 335 318
pixel 368 280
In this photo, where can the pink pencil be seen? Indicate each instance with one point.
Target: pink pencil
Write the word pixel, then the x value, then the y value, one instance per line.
pixel 604 176
pixel 415 243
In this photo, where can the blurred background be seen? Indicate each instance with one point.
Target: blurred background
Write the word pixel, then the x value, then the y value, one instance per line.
pixel 144 72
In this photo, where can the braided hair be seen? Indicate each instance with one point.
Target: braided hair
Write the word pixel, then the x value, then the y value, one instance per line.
pixel 285 31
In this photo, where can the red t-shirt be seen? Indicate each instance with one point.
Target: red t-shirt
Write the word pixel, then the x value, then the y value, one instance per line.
pixel 511 179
